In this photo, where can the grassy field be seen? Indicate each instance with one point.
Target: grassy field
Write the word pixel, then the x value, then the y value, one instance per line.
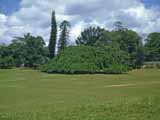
pixel 31 95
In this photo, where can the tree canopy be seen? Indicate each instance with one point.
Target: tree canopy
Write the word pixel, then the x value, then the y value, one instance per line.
pixel 28 51
pixel 6 58
pixel 128 41
pixel 131 43
pixel 90 36
pixel 152 47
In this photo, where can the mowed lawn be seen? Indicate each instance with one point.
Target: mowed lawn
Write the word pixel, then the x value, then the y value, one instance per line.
pixel 27 94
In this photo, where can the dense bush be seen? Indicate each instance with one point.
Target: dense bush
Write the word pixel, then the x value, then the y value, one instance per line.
pixel 6 59
pixel 87 59
pixel 6 62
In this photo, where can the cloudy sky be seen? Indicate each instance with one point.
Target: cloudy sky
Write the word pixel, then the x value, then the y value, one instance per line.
pixel 18 17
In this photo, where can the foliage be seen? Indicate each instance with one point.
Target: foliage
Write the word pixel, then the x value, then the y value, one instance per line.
pixel 6 59
pixel 90 36
pixel 29 51
pixel 118 25
pixel 128 41
pixel 152 47
pixel 6 62
pixel 131 43
pixel 64 35
pixel 86 59
pixel 53 37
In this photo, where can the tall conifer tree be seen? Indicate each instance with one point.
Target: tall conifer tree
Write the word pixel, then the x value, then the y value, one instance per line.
pixel 64 28
pixel 53 37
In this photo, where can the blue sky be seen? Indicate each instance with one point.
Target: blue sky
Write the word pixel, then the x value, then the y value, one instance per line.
pixel 9 6
pixel 18 17
pixel 151 2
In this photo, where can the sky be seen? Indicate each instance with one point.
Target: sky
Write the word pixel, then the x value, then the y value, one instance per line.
pixel 18 17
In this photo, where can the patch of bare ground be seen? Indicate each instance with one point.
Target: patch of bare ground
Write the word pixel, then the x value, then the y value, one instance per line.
pixel 128 85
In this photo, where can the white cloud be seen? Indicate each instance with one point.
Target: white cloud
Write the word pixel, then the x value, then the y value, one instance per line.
pixel 34 16
pixel 76 30
pixel 3 28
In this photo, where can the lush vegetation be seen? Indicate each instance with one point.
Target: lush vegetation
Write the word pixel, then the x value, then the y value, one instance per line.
pixel 110 52
pixel 90 36
pixel 27 51
pixel 152 47
pixel 31 95
pixel 86 59
pixel 127 40
pixel 6 60
pixel 97 50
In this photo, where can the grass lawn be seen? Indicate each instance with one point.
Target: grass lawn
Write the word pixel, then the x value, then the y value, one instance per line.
pixel 31 95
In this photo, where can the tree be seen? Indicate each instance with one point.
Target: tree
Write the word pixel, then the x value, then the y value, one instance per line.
pixel 118 25
pixel 152 47
pixel 131 43
pixel 5 51
pixel 90 36
pixel 64 35
pixel 127 40
pixel 107 38
pixel 29 51
pixel 6 62
pixel 53 37
pixel 6 58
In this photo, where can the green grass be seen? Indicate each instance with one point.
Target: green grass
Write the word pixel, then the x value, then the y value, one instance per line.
pixel 31 95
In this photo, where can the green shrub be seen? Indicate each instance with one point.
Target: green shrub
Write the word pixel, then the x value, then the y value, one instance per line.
pixel 86 59
pixel 6 62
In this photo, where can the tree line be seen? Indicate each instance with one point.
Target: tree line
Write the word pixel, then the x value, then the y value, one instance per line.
pixel 97 50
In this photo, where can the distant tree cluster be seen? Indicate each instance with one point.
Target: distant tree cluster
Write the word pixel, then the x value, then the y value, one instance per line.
pixel 122 38
pixel 27 51
pixel 97 50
